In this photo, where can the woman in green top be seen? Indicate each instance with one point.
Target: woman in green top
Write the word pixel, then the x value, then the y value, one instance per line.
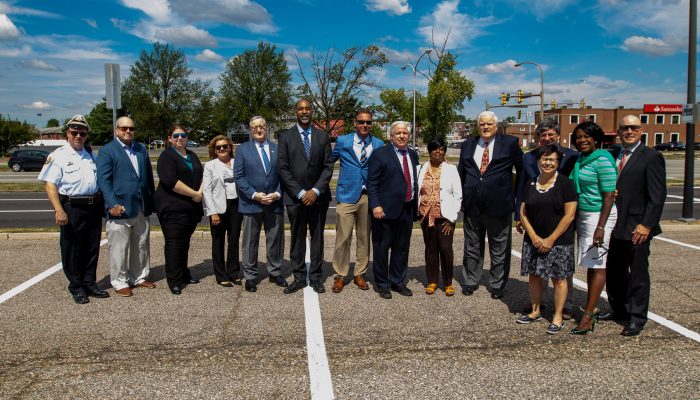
pixel 595 176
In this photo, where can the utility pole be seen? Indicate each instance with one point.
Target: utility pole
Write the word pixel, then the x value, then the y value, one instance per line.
pixel 689 178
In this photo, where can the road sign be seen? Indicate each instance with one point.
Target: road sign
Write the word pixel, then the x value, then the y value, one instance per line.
pixel 687 116
pixel 113 86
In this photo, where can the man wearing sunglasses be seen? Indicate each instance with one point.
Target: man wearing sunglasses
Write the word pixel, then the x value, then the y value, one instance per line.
pixel 71 186
pixel 353 150
pixel 125 176
pixel 640 196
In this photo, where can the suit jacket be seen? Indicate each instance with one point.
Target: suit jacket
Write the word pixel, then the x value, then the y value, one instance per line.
pixel 250 175
pixel 386 186
pixel 297 173
pixel 531 170
pixel 450 189
pixel 641 188
pixel 172 168
pixel 492 193
pixel 353 173
pixel 119 182
pixel 213 186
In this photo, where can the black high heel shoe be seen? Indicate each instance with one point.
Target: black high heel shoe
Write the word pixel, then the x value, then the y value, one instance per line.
pixel 594 319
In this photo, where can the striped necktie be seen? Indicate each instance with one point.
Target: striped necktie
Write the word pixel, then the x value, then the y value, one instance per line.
pixel 363 152
pixel 307 144
pixel 266 160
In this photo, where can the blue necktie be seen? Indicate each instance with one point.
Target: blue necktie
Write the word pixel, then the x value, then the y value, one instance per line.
pixel 363 152
pixel 307 145
pixel 266 161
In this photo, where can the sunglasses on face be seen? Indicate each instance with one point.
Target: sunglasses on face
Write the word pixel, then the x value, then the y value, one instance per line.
pixel 78 133
pixel 126 128
pixel 635 128
pixel 362 122
pixel 221 147
pixel 178 135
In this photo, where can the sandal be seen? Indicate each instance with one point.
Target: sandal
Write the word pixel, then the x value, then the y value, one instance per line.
pixel 431 288
pixel 449 290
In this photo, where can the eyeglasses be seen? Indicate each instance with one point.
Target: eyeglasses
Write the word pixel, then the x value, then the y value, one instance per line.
pixel 635 128
pixel 362 122
pixel 221 147
pixel 552 160
pixel 259 127
pixel 77 133
pixel 179 135
pixel 126 128
pixel 601 254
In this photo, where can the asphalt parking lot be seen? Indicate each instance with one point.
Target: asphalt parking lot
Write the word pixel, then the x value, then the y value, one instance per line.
pixel 214 342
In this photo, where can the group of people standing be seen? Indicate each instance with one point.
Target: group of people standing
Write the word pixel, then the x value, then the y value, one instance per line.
pixel 382 190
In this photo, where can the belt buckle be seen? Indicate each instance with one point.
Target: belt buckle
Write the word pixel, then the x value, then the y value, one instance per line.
pixel 90 200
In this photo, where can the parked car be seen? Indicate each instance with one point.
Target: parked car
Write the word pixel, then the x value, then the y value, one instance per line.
pixel 192 143
pixel 157 143
pixel 671 146
pixel 27 159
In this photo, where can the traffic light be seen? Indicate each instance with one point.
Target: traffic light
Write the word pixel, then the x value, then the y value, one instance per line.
pixel 520 96
pixel 583 104
pixel 554 104
pixel 520 113
pixel 504 99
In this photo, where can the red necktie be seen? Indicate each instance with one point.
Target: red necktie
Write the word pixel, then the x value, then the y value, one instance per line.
pixel 407 176
pixel 484 159
pixel 625 156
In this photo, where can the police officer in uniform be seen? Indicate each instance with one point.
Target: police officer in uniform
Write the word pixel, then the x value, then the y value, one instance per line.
pixel 71 185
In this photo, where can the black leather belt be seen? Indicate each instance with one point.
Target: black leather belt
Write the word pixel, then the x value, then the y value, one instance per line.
pixel 81 200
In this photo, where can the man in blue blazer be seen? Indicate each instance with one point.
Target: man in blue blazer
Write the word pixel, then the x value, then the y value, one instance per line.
pixel 354 151
pixel 486 165
pixel 125 177
pixel 392 190
pixel 259 200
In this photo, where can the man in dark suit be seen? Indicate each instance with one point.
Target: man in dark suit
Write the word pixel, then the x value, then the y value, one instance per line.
pixel 641 192
pixel 258 184
pixel 486 168
pixel 392 188
pixel 548 132
pixel 305 169
pixel 125 176
pixel 354 151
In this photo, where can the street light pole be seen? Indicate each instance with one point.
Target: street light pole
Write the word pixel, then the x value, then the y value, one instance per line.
pixel 541 85
pixel 414 67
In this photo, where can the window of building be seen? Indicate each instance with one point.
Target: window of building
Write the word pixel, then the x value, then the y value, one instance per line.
pixel 644 138
pixel 659 119
pixel 572 141
pixel 674 137
pixel 675 119
pixel 522 129
pixel 590 117
pixel 573 119
pixel 658 138
pixel 644 119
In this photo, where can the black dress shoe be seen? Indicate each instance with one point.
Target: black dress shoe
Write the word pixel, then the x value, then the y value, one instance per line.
pixel 176 290
pixel 632 329
pixel 225 284
pixel 318 287
pixel 80 298
pixel 192 281
pixel 279 281
pixel 384 293
pixel 469 290
pixel 496 294
pixel 402 290
pixel 99 293
pixel 295 286
pixel 237 281
pixel 612 316
pixel 250 286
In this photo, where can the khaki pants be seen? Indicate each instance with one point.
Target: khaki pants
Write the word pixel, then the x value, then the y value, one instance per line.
pixel 349 215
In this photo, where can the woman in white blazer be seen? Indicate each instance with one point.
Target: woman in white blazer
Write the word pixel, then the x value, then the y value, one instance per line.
pixel 439 201
pixel 221 205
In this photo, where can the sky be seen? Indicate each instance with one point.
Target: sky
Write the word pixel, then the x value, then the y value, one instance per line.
pixel 608 52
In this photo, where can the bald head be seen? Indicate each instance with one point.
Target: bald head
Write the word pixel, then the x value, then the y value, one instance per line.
pixel 629 130
pixel 125 130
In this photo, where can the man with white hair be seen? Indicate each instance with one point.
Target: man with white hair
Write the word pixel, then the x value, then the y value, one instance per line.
pixel 392 192
pixel 486 166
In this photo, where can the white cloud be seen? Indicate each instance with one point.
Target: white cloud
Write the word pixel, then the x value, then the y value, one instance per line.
pixel 498 68
pixel 290 56
pixel 159 10
pixel 35 105
pixel 447 20
pixel 91 22
pixel 72 47
pixel 399 57
pixel 8 30
pixel 6 8
pixel 542 8
pixel 39 64
pixel 393 7
pixel 15 52
pixel 245 14
pixel 650 46
pixel 187 35
pixel 208 56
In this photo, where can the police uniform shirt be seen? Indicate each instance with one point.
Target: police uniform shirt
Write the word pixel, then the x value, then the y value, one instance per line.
pixel 73 172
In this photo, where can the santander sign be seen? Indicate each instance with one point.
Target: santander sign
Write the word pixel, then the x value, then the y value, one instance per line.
pixel 663 108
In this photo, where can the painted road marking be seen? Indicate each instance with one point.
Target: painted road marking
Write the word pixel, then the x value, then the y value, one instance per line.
pixel 24 211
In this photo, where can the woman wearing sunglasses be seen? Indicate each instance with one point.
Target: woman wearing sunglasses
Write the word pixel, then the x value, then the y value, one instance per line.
pixel 179 204
pixel 221 206
pixel 595 176
pixel 547 212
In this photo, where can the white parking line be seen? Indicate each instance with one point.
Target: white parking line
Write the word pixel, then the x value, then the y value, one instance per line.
pixel 654 317
pixel 33 281
pixel 24 211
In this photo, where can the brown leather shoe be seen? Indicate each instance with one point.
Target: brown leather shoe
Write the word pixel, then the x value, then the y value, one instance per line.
pixel 338 285
pixel 147 285
pixel 126 292
pixel 361 282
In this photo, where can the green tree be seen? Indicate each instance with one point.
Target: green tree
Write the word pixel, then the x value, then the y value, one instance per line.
pixel 13 133
pixel 100 120
pixel 160 91
pixel 397 105
pixel 52 123
pixel 257 82
pixel 338 81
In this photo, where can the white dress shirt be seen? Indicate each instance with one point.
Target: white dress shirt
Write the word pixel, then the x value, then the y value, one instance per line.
pixel 479 151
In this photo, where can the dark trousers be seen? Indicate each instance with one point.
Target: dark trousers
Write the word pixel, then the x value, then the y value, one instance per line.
pixel 80 246
pixel 628 282
pixel 228 269
pixel 394 235
pixel 301 217
pixel 499 232
pixel 177 230
pixel 438 250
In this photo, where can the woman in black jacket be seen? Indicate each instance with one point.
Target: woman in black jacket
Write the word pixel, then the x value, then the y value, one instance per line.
pixel 179 205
